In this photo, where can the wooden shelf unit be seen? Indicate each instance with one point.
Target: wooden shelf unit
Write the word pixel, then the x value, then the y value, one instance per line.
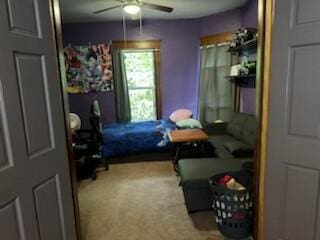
pixel 242 76
pixel 249 46
pixel 248 80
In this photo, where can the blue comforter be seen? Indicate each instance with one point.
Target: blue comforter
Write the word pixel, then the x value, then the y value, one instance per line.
pixel 126 138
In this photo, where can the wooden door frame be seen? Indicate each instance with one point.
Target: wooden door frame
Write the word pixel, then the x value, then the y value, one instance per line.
pixel 56 19
pixel 265 22
pixel 265 25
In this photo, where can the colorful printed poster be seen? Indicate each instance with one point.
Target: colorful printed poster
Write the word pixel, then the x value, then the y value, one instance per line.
pixel 89 68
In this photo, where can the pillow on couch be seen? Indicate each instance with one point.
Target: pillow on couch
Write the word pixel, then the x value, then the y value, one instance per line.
pixel 239 149
pixel 189 123
pixel 180 114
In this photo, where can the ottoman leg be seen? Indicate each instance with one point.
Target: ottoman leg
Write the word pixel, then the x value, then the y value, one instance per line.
pixel 176 157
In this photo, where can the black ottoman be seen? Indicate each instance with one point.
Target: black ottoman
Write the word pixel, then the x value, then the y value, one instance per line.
pixel 194 175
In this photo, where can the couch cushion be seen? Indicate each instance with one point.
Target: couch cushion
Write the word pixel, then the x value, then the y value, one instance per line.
pixel 219 140
pixel 249 131
pixel 195 173
pixel 236 124
pixel 239 149
pixel 223 153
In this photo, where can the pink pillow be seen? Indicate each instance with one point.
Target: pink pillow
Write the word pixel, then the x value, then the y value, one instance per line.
pixel 180 114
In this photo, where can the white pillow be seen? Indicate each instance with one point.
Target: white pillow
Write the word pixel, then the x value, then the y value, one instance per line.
pixel 180 114
pixel 189 123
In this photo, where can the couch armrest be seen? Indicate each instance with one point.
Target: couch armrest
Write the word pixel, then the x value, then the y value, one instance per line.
pixel 215 128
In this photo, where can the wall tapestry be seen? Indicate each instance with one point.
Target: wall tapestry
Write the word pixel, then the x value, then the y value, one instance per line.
pixel 89 68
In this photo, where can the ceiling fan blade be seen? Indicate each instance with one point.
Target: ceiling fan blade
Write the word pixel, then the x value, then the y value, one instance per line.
pixel 106 9
pixel 157 7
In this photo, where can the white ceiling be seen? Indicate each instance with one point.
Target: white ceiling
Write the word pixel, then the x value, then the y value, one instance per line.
pixel 81 10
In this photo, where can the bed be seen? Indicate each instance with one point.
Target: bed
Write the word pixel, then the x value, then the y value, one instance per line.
pixel 126 138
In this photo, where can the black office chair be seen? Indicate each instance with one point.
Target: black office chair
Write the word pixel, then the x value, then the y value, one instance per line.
pixel 88 145
pixel 84 153
pixel 96 125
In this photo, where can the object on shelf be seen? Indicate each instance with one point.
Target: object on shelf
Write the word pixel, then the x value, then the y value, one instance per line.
pixel 243 35
pixel 243 69
pixel 235 70
pixel 251 66
pixel 248 68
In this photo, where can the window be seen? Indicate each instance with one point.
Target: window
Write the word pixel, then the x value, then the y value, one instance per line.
pixel 140 72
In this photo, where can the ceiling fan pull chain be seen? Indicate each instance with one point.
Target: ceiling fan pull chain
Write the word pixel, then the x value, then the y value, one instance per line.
pixel 124 29
pixel 140 15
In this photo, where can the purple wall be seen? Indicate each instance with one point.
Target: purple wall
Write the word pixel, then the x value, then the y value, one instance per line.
pixel 179 56
pixel 222 22
pixel 248 100
pixel 80 104
pixel 179 61
pixel 250 14
pixel 249 19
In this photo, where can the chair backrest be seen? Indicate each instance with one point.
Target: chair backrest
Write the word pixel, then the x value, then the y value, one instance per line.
pixel 243 126
pixel 95 120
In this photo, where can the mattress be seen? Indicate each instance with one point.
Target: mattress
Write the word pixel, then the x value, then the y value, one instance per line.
pixel 126 138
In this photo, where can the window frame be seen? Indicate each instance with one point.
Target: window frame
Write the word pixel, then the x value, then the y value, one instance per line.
pixel 146 45
pixel 153 88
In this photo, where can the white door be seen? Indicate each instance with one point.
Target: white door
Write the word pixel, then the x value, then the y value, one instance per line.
pixel 35 190
pixel 293 167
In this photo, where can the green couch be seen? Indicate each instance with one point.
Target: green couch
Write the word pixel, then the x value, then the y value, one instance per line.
pixel 194 175
pixel 234 143
pixel 234 139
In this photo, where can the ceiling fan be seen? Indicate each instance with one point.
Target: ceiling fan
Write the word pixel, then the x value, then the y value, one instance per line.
pixel 134 6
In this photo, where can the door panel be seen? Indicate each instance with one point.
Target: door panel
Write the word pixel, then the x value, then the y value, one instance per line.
pixel 293 168
pixel 49 204
pixel 302 204
pixel 35 189
pixel 10 220
pixel 306 124
pixel 307 11
pixel 34 93
pixel 24 17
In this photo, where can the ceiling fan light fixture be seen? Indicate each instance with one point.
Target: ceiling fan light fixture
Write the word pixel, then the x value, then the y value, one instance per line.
pixel 131 8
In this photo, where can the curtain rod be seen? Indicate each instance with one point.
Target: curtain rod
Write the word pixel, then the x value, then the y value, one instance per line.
pixel 215 45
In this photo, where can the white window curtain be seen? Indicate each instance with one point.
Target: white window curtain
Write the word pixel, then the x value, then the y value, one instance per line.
pixel 215 90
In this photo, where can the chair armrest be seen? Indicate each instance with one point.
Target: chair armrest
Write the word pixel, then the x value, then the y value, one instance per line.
pixel 215 128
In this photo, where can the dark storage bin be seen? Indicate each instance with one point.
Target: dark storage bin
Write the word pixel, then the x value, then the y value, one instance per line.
pixel 233 208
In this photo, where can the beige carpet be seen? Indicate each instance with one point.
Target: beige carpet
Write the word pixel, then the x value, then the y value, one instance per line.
pixel 140 201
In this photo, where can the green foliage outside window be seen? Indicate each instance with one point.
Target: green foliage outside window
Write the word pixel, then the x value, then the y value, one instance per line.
pixel 140 72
